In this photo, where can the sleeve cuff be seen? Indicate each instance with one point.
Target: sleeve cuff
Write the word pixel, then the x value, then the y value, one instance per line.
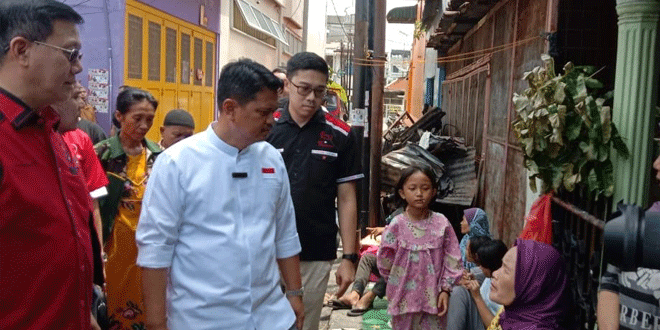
pixel 288 247
pixel 100 192
pixel 155 256
pixel 351 178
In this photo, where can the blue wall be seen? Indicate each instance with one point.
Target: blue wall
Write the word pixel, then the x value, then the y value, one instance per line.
pixel 102 36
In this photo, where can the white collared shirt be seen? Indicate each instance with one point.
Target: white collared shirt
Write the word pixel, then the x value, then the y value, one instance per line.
pixel 219 234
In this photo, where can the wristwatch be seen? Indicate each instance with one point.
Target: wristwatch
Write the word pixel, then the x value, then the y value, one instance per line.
pixel 353 257
pixel 294 293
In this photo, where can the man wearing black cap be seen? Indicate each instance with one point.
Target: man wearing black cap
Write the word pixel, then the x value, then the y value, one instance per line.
pixel 178 125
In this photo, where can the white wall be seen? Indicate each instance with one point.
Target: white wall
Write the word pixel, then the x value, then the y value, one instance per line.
pixel 316 33
pixel 294 10
pixel 236 44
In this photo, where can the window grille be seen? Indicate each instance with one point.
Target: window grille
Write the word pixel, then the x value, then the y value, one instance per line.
pixel 208 72
pixel 154 51
pixel 185 58
pixel 170 55
pixel 198 61
pixel 134 47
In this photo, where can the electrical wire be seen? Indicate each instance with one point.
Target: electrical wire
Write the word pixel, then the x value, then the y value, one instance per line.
pixel 339 18
pixel 494 48
pixel 454 58
pixel 77 4
pixel 296 10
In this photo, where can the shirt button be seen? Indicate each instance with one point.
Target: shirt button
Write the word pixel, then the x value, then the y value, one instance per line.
pixel 82 268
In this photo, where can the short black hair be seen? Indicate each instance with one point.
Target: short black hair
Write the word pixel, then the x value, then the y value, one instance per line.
pixel 32 20
pixel 131 96
pixel 475 243
pixel 306 61
pixel 490 254
pixel 115 121
pixel 243 80
pixel 407 172
pixel 279 69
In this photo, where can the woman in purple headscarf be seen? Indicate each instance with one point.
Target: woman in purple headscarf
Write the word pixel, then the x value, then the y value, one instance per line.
pixel 532 287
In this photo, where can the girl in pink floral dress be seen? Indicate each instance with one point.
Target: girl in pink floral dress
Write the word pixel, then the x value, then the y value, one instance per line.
pixel 419 256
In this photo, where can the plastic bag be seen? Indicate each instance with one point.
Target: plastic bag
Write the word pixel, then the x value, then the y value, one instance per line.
pixel 538 222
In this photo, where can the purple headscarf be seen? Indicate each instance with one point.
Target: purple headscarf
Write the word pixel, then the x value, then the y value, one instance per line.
pixel 469 214
pixel 542 300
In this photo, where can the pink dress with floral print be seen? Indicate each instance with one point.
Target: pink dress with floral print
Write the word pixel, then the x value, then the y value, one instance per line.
pixel 418 259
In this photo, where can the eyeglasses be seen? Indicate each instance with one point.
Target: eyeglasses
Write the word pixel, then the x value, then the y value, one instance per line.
pixel 73 53
pixel 304 90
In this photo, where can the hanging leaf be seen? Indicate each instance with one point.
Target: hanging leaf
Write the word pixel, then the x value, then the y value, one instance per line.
pixel 581 92
pixel 531 166
pixel 566 129
pixel 520 102
pixel 606 123
pixel 529 146
pixel 618 144
pixel 588 150
pixel 570 180
pixel 603 152
pixel 568 67
pixel 592 181
pixel 532 184
pixel 607 178
pixel 586 70
pixel 549 63
pixel 557 178
pixel 593 83
pixel 560 93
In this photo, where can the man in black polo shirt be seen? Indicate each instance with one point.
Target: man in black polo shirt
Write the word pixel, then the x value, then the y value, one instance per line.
pixel 322 163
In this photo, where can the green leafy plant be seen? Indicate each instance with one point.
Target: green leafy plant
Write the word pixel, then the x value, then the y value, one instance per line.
pixel 566 130
pixel 420 30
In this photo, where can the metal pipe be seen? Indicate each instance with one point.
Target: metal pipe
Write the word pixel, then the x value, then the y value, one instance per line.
pixel 376 118
pixel 108 34
pixel 360 52
pixel 584 215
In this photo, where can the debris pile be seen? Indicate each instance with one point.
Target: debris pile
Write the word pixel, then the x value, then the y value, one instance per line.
pixel 423 143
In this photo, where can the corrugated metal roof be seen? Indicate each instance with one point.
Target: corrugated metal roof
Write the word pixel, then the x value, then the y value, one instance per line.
pixel 462 172
pixel 456 20
pixel 404 15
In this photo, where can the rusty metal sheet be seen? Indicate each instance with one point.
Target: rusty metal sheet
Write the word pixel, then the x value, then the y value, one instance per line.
pixel 493 181
pixel 513 213
pixel 462 172
pixel 395 161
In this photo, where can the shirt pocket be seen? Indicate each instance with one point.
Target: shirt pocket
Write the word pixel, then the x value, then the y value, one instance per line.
pixel 268 193
pixel 323 167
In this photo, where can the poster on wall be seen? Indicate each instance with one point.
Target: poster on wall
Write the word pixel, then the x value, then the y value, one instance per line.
pixel 97 82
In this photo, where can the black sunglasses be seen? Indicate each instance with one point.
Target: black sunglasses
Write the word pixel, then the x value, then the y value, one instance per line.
pixel 74 53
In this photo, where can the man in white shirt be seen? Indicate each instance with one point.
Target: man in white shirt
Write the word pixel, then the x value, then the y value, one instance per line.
pixel 218 221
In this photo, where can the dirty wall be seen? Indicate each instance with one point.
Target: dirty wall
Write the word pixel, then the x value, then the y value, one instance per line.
pixel 476 97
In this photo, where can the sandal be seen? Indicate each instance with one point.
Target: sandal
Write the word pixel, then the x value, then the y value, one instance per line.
pixel 338 304
pixel 358 311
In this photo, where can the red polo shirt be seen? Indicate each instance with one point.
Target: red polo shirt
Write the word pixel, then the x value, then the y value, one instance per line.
pixel 45 244
pixel 82 148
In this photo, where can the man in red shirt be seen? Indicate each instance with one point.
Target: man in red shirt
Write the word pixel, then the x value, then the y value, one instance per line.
pixel 47 264
pixel 82 150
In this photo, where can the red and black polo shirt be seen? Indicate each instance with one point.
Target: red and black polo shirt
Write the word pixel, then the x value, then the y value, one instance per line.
pixel 46 262
pixel 318 156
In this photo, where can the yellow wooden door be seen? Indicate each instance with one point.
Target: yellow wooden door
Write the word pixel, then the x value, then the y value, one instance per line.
pixel 174 60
